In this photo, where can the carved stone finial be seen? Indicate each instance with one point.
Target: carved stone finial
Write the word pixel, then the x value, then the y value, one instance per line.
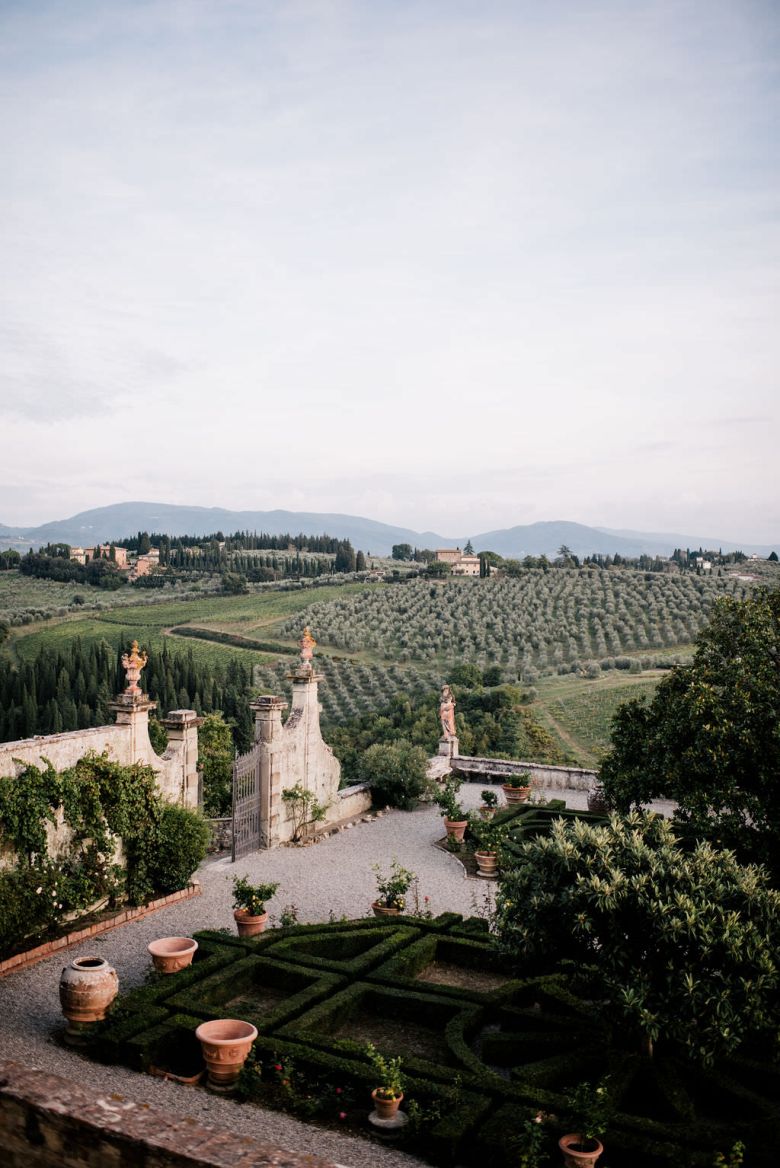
pixel 132 663
pixel 307 644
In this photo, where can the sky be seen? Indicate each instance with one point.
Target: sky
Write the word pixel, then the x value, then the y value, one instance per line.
pixel 454 266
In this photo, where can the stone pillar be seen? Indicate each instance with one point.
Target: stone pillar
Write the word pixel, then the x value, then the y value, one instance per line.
pixel 132 710
pixel 268 742
pixel 268 717
pixel 182 727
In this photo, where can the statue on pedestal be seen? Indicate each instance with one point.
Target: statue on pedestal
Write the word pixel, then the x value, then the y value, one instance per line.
pixel 447 713
pixel 307 644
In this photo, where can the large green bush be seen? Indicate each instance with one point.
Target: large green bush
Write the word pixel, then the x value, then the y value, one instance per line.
pixel 396 771
pixel 685 943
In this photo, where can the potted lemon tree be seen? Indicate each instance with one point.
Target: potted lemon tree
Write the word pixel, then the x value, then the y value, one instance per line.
pixel 249 909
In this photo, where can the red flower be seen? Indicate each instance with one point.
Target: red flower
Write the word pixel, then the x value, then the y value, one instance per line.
pixel 277 1066
pixel 342 1115
pixel 338 1090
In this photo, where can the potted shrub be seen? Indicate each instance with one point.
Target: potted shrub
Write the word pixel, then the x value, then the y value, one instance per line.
pixel 455 819
pixel 249 905
pixel 489 803
pixel 488 836
pixel 597 800
pixel 590 1109
pixel 517 788
pixel 388 1095
pixel 392 890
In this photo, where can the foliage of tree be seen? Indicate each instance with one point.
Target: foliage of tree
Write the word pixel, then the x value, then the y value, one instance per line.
pixel 402 551
pixel 710 739
pixel 215 761
pixel 684 942
pixel 396 771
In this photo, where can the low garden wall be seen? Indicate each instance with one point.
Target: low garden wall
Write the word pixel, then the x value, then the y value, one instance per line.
pixel 50 1122
pixel 497 770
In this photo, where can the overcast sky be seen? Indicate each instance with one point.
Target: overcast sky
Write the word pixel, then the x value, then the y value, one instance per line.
pixel 450 265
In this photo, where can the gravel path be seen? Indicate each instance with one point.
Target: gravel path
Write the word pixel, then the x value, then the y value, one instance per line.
pixel 333 875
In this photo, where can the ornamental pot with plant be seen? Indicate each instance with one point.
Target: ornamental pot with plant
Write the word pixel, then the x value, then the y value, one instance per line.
pixel 392 889
pixel 488 837
pixel 388 1095
pixel 590 1109
pixel 517 788
pixel 249 905
pixel 455 819
pixel 489 803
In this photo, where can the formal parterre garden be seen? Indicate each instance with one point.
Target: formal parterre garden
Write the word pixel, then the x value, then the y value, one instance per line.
pixel 486 1048
pixel 590 996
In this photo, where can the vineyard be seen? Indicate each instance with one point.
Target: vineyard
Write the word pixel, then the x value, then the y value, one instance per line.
pixel 540 623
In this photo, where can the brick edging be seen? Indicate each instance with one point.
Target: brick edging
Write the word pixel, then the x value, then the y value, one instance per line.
pixel 123 917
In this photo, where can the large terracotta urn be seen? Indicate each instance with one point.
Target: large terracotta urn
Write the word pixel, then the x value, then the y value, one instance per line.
pixel 247 925
pixel 515 795
pixel 88 986
pixel 170 954
pixel 226 1043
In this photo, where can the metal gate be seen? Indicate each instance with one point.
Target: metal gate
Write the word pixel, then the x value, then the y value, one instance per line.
pixel 246 803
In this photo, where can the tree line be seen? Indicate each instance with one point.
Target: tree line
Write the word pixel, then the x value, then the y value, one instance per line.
pixel 70 688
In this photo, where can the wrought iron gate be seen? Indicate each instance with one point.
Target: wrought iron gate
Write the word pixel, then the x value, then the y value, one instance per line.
pixel 246 803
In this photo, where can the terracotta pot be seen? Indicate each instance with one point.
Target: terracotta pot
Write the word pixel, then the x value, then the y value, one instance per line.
pixel 456 828
pixel 486 812
pixel 88 986
pixel 386 1108
pixel 579 1152
pixel 515 795
pixel 384 910
pixel 170 954
pixel 226 1043
pixel 487 864
pixel 249 926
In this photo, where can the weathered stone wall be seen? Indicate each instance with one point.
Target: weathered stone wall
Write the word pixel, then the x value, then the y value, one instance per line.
pixel 495 770
pixel 48 1122
pixel 125 742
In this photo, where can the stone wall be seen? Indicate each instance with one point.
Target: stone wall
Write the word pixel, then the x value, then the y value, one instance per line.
pixel 496 770
pixel 125 742
pixel 49 1122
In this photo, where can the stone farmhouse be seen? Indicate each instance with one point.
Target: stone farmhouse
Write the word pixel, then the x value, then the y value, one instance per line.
pixel 460 563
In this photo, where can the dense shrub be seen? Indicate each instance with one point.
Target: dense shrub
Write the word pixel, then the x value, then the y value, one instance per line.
pixel 396 771
pixel 181 840
pixel 685 943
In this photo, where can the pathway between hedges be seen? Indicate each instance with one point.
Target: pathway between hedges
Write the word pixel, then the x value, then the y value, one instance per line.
pixel 330 877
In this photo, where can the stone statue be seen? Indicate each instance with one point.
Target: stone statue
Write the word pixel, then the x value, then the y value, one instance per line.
pixel 307 644
pixel 132 663
pixel 447 712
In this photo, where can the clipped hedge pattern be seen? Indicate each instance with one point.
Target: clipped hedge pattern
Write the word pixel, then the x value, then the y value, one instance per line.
pixel 478 1065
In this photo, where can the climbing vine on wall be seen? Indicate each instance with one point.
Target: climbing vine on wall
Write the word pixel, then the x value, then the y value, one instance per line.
pixel 102 802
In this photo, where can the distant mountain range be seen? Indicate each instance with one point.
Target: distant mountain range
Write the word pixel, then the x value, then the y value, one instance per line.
pixel 121 520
